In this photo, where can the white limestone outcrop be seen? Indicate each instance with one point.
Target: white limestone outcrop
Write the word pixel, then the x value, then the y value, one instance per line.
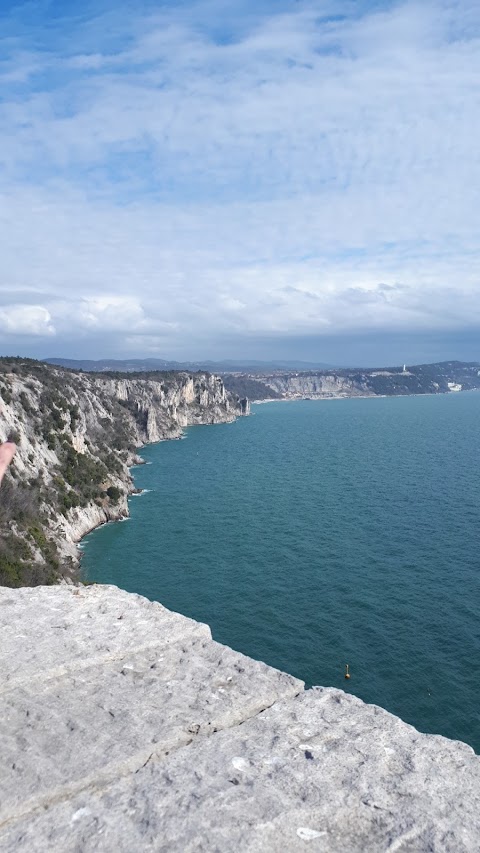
pixel 298 386
pixel 54 414
pixel 125 727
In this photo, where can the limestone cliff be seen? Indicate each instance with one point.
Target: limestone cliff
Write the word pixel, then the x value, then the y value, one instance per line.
pixel 441 378
pixel 313 385
pixel 77 435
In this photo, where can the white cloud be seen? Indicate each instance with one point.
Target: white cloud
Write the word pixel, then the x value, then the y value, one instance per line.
pixel 109 313
pixel 301 177
pixel 32 320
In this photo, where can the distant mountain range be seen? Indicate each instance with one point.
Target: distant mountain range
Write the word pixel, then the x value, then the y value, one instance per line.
pixel 141 365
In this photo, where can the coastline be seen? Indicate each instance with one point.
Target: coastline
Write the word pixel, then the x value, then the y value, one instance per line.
pixel 332 397
pixel 363 396
pixel 133 491
pixel 77 435
pixel 123 514
pixel 159 554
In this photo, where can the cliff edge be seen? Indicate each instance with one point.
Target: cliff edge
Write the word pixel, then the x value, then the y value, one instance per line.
pixel 77 435
pixel 440 378
pixel 125 727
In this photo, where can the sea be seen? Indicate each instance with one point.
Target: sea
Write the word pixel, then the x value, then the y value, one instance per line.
pixel 320 533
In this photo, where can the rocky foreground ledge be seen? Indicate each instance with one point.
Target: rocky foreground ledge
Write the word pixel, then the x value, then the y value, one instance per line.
pixel 125 727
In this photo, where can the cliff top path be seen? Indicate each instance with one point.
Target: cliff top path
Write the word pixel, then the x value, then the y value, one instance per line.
pixel 125 727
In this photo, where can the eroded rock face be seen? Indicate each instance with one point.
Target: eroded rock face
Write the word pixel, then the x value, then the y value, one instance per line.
pixel 317 385
pixel 125 727
pixel 76 435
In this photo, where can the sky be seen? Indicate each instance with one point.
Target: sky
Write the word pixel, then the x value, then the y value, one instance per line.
pixel 263 179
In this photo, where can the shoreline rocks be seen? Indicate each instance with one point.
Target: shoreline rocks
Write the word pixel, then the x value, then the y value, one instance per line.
pixel 77 436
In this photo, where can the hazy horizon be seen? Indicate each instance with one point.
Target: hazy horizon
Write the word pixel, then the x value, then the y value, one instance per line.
pixel 292 362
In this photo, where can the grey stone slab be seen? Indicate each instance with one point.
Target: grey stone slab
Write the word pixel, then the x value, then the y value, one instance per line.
pixel 320 772
pixel 51 630
pixel 126 728
pixel 102 723
pixel 93 719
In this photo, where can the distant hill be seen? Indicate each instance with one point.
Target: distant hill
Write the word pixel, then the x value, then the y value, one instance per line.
pixel 440 378
pixel 140 365
pixel 299 380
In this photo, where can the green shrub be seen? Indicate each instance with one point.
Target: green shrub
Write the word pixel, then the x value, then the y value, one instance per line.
pixel 74 416
pixel 114 494
pixel 28 409
pixel 44 545
pixel 14 551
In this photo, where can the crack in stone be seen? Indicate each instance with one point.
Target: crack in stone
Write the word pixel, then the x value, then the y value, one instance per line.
pixel 110 774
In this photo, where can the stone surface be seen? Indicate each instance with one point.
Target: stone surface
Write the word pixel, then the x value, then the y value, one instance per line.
pixel 127 728
pixel 96 682
pixel 317 385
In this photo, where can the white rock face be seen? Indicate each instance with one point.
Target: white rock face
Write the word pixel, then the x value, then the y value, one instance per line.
pixel 316 385
pixel 125 727
pixel 51 409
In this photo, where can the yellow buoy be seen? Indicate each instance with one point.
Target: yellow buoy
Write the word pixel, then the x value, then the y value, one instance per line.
pixel 347 674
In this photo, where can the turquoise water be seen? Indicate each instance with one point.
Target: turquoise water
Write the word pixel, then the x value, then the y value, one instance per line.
pixel 319 533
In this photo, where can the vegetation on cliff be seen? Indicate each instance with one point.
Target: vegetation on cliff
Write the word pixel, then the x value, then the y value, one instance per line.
pixel 439 378
pixel 245 386
pixel 76 435
pixel 49 475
